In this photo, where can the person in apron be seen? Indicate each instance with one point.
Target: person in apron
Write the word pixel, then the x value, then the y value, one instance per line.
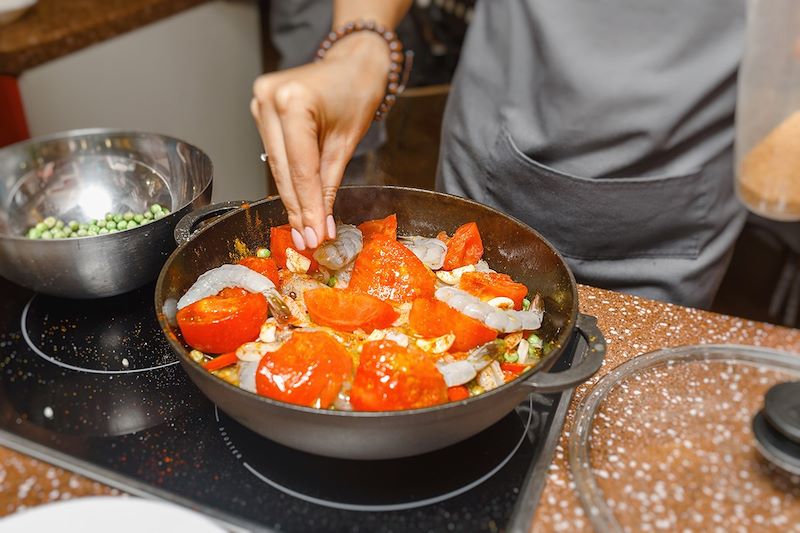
pixel 606 125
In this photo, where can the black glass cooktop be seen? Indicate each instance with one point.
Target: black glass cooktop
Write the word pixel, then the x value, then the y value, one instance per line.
pixel 92 386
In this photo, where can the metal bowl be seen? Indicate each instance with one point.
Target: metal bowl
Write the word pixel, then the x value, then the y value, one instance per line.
pixel 81 175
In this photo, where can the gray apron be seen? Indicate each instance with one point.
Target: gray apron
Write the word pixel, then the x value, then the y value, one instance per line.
pixel 607 126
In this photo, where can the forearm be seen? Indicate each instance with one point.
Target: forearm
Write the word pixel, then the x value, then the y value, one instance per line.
pixel 385 12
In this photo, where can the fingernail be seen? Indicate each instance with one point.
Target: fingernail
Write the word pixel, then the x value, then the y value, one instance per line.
pixel 311 237
pixel 331 227
pixel 297 239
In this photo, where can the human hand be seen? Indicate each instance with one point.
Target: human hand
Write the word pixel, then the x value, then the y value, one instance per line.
pixel 310 119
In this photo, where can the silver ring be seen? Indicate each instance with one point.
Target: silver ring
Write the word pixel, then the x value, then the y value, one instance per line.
pixel 264 157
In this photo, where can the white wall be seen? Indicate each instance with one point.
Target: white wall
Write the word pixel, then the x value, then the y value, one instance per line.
pixel 189 76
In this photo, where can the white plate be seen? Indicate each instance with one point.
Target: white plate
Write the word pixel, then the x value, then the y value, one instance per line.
pixel 11 10
pixel 108 513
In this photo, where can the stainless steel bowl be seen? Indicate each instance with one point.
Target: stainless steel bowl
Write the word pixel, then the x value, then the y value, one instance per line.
pixel 81 175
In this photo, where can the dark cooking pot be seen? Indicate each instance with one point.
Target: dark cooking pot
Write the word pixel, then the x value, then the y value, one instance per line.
pixel 510 246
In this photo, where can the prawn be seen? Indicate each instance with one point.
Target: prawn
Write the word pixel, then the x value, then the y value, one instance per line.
pixel 335 254
pixel 502 320
pixel 429 250
pixel 213 281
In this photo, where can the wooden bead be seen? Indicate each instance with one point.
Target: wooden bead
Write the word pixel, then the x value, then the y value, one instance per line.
pixel 392 88
pixel 394 77
pixel 395 46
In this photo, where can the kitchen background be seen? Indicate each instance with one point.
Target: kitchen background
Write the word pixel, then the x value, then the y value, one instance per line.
pixel 185 68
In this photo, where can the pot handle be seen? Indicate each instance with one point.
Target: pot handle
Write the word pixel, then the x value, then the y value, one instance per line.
pixel 187 226
pixel 592 360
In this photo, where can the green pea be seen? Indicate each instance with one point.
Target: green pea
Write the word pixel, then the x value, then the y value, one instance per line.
pixel 59 224
pixel 113 231
pixel 111 225
pixel 109 216
pixel 146 221
pixel 155 208
pixel 67 232
pixel 83 226
pixel 33 233
pixel 93 227
pixel 332 281
pixel 138 218
pixel 47 234
pixel 160 215
pixel 92 232
pixel 526 304
pixel 101 223
pixel 73 225
pixel 58 234
pixel 511 357
pixel 82 232
pixel 148 215
pixel 132 224
pixel 535 341
pixel 117 218
pixel 41 226
pixel 128 215
pixel 50 222
pixel 103 231
pixel 263 252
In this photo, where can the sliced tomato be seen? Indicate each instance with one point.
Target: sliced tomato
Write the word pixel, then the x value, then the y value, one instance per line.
pixel 388 270
pixel 263 265
pixel 488 285
pixel 432 318
pixel 464 247
pixel 221 361
pixel 457 393
pixel 309 369
pixel 391 377
pixel 220 324
pixel 386 227
pixel 280 238
pixel 347 310
pixel 514 368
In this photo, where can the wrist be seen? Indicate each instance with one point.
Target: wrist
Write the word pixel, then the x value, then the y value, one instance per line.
pixel 376 51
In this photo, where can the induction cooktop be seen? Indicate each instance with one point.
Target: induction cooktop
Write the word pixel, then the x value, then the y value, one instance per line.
pixel 93 386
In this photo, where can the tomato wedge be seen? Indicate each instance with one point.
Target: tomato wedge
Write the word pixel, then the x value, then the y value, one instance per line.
pixel 263 265
pixel 464 247
pixel 220 324
pixel 459 392
pixel 388 270
pixel 309 369
pixel 432 318
pixel 347 311
pixel 514 368
pixel 386 227
pixel 488 285
pixel 280 238
pixel 391 377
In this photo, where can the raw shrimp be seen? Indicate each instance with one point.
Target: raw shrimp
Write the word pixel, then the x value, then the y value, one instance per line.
pixel 343 250
pixel 212 282
pixel 295 285
pixel 429 250
pixel 502 320
pixel 465 370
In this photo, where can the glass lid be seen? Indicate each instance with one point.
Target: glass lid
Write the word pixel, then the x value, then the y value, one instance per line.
pixel 665 442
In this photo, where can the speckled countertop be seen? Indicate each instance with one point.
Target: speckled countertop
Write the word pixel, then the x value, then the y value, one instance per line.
pixel 54 28
pixel 632 326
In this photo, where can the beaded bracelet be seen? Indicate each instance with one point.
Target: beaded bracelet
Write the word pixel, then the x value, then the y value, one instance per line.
pixel 399 68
